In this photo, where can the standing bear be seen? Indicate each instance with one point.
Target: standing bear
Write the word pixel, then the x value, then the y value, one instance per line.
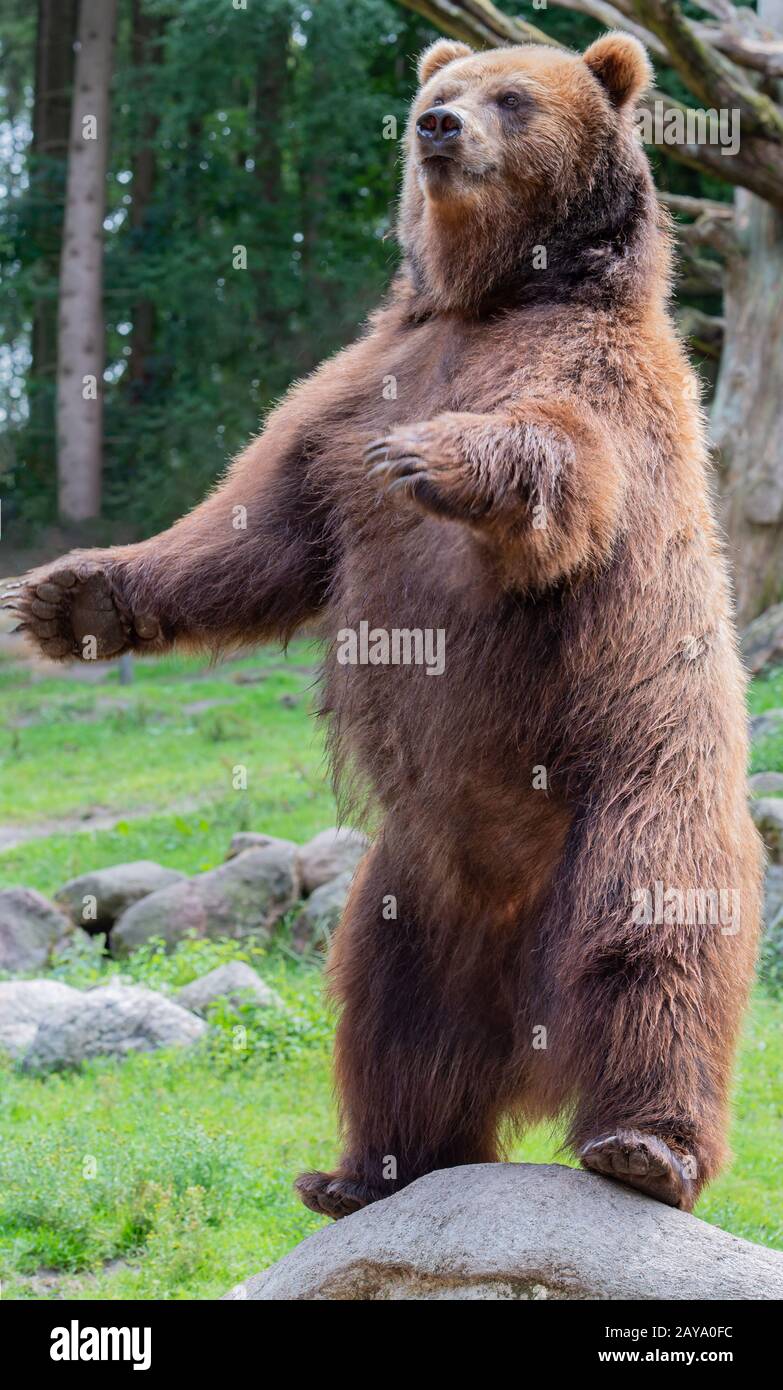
pixel 559 913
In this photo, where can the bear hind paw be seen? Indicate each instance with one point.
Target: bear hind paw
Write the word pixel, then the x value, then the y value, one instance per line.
pixel 645 1162
pixel 334 1194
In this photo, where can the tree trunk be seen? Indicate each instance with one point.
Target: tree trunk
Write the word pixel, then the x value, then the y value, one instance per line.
pixel 269 102
pixel 80 357
pixel 55 34
pixel 747 415
pixel 146 51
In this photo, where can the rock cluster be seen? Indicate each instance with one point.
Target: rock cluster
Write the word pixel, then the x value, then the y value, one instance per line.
pixel 46 1025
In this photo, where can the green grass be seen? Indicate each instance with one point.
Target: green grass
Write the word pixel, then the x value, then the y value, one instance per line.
pixel 169 1175
pixel 69 751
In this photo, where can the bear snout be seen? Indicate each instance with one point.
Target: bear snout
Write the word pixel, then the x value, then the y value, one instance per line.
pixel 438 127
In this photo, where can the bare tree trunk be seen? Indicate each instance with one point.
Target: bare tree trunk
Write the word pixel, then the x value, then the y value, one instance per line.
pixel 80 358
pixel 747 416
pixel 147 32
pixel 55 34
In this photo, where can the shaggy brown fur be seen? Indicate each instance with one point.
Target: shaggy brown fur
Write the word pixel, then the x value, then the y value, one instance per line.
pixel 537 489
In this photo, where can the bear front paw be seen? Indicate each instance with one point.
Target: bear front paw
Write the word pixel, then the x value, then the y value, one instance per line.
pixel 422 464
pixel 73 610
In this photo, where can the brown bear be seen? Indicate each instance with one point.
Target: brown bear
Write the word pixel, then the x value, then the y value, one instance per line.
pixel 512 455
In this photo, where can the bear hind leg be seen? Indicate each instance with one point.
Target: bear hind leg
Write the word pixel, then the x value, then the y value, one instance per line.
pixel 421 1058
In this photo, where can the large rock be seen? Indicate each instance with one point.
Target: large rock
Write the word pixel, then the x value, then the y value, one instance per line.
pixel 244 897
pixel 110 1021
pixel 313 926
pixel 766 725
pixel 331 853
pixel 96 900
pixel 766 784
pixel 236 982
pixel 30 927
pixel 767 813
pixel 506 1231
pixel 26 1003
pixel 762 641
pixel 773 895
pixel 771 962
pixel 255 839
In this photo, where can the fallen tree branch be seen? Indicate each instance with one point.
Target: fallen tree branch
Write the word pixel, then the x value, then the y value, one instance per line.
pixel 696 274
pixel 616 18
pixel 713 226
pixel 703 331
pixel 478 22
pixel 707 73
pixel 695 207
pixel 762 55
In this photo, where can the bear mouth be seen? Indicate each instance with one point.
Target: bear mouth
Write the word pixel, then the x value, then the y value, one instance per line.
pixel 448 166
pixel 437 163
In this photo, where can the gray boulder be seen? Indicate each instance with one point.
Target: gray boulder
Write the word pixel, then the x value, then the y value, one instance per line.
pixel 96 900
pixel 26 1003
pixel 236 982
pixel 331 853
pixel 766 784
pixel 773 895
pixel 110 1021
pixel 30 927
pixel 320 914
pixel 766 725
pixel 762 641
pixel 767 813
pixel 771 962
pixel 243 897
pixel 518 1231
pixel 255 839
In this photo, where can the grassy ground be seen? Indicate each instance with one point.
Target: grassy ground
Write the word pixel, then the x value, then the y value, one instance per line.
pixel 169 1175
pixel 160 756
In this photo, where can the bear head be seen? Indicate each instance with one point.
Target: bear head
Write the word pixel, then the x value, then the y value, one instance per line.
pixel 521 150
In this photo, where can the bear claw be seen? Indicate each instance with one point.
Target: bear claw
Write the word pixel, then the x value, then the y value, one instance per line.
pixel 642 1161
pixel 329 1194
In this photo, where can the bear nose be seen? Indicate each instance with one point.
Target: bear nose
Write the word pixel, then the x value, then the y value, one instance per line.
pixel 437 125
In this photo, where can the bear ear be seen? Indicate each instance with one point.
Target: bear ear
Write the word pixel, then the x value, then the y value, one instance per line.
pixel 439 53
pixel 621 65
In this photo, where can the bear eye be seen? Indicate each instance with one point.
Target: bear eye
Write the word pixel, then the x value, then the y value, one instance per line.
pixel 509 100
pixel 438 101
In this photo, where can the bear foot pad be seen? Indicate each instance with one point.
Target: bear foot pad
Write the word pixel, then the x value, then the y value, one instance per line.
pixel 76 612
pixel 330 1194
pixel 642 1161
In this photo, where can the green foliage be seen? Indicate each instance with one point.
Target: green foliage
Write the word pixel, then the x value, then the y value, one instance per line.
pixel 247 1035
pixel 86 1193
pixel 266 126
